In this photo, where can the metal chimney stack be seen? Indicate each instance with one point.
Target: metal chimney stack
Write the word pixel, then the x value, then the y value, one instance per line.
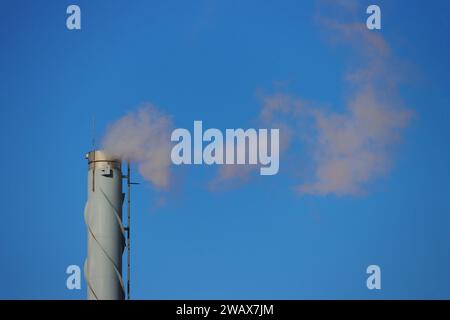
pixel 105 230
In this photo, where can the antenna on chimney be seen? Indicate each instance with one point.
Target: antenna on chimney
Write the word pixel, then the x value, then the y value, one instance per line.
pixel 93 133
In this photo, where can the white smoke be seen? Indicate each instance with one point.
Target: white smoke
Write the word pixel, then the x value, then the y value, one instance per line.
pixel 143 137
pixel 353 147
pixel 350 148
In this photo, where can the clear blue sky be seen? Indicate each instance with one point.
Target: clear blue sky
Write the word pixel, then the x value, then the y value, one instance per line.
pixel 205 60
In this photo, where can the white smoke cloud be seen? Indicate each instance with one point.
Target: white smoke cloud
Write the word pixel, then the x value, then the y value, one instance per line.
pixel 143 136
pixel 353 147
pixel 272 115
pixel 349 148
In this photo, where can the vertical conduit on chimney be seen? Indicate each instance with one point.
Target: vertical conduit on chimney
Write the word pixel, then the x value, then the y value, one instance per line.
pixel 106 233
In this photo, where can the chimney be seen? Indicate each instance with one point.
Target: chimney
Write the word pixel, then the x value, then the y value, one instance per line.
pixel 105 230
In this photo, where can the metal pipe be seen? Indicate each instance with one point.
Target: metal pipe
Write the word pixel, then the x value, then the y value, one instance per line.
pixel 106 234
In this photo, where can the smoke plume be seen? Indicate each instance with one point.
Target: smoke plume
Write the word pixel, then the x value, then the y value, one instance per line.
pixel 349 148
pixel 353 147
pixel 143 137
pixel 346 149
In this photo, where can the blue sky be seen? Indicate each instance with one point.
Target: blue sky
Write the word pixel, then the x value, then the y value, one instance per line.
pixel 205 60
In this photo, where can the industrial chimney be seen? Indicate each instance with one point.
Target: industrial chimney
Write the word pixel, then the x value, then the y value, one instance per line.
pixel 105 230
